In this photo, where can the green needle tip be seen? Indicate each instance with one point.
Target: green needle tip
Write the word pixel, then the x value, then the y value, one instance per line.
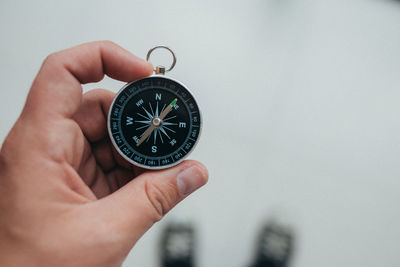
pixel 173 102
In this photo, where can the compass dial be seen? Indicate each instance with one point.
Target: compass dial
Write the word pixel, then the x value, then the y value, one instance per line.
pixel 154 122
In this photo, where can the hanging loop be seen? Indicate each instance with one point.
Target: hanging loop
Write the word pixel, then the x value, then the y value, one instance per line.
pixel 162 69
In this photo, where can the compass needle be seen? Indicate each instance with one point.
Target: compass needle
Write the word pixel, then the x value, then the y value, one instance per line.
pixel 163 108
pixel 167 109
pixel 145 135
pixel 155 123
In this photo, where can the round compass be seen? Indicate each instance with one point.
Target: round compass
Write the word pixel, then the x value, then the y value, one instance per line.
pixel 154 122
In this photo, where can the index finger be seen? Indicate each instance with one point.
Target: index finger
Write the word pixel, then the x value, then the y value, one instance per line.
pixel 57 91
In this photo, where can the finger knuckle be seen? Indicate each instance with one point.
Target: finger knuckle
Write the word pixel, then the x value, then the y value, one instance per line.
pixel 161 199
pixel 6 145
pixel 51 58
pixel 12 143
pixel 107 43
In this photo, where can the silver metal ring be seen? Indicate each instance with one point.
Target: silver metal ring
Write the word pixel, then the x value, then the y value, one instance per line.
pixel 165 47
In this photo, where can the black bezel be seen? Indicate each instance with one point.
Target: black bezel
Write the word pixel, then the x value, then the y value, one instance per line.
pixel 126 149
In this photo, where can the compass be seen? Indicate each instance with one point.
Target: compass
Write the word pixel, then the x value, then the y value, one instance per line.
pixel 154 122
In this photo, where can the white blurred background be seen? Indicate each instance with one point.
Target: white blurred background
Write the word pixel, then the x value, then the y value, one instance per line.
pixel 300 100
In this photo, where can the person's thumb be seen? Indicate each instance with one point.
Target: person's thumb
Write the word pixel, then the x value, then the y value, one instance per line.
pixel 135 207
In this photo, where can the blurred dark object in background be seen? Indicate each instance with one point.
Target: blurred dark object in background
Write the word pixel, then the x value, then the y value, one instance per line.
pixel 275 245
pixel 178 245
pixel 274 248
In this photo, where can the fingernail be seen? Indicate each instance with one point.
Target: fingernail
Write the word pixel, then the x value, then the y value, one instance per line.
pixel 191 179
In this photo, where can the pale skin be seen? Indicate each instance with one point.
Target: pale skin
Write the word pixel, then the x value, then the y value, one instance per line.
pixel 66 197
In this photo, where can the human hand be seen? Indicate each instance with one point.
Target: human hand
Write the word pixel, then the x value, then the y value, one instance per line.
pixel 66 197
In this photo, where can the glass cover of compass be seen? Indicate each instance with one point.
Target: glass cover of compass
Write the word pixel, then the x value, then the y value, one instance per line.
pixel 155 122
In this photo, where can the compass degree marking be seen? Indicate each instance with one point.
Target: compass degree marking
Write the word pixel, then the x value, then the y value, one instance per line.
pixel 189 104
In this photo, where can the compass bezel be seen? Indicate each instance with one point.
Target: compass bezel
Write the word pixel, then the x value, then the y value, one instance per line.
pixel 144 166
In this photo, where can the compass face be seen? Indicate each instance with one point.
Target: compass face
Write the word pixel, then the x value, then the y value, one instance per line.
pixel 154 122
